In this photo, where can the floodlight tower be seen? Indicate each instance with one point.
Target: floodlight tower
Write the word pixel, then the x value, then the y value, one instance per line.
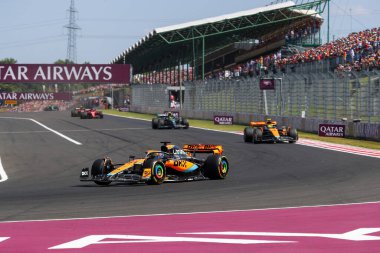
pixel 72 28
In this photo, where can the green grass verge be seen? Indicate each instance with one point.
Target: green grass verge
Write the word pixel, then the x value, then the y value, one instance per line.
pixel 210 125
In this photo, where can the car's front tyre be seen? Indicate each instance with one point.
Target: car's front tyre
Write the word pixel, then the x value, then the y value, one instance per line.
pixel 216 167
pixel 101 167
pixel 292 133
pixel 186 124
pixel 158 171
pixel 154 123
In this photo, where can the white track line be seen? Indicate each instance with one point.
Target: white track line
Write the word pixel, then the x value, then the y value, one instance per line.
pixel 47 128
pixel 3 175
pixel 57 133
pixel 310 143
pixel 205 212
pixel 340 148
pixel 79 130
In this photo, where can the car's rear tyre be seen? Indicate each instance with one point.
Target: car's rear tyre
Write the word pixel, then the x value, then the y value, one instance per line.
pixel 216 167
pixel 83 115
pixel 292 132
pixel 248 134
pixel 257 135
pixel 101 167
pixel 158 172
pixel 100 115
pixel 154 123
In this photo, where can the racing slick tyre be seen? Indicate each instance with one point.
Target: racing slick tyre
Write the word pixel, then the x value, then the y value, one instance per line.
pixel 101 167
pixel 216 167
pixel 158 171
pixel 186 124
pixel 160 123
pixel 257 135
pixel 83 115
pixel 100 115
pixel 154 123
pixel 248 134
pixel 293 134
pixel 72 113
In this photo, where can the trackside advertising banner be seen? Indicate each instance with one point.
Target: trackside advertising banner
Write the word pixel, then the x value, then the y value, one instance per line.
pixel 267 84
pixel 59 73
pixel 223 120
pixel 34 96
pixel 331 130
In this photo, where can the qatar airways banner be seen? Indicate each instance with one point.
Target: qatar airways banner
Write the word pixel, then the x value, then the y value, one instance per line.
pixel 59 73
pixel 331 130
pixel 34 96
pixel 223 120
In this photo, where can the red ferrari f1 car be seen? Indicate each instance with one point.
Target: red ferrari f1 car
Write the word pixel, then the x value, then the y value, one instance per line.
pixel 170 163
pixel 91 114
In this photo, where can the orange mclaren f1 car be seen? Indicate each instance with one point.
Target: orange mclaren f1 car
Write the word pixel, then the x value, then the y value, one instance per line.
pixel 170 163
pixel 268 131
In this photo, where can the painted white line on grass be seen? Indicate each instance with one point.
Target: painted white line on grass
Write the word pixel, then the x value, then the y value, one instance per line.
pixel 47 128
pixel 208 129
pixel 3 175
pixel 310 143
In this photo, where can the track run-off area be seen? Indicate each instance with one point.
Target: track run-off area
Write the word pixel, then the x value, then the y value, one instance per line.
pixel 306 197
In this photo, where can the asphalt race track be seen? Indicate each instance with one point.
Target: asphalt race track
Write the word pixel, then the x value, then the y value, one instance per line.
pixel 43 171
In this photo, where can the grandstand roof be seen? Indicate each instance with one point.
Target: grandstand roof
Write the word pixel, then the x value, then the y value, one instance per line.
pixel 187 42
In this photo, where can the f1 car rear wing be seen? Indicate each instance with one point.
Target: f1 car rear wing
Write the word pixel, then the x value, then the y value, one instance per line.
pixel 203 148
pixel 261 123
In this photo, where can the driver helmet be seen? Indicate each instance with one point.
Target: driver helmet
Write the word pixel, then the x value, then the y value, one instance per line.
pixel 173 149
pixel 170 114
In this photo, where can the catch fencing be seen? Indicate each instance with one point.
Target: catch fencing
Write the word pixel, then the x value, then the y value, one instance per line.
pixel 312 96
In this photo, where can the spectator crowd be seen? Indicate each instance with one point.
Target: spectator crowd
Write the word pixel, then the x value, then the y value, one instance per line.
pixel 41 105
pixel 358 51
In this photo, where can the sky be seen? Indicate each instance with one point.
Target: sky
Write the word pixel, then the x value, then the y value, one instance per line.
pixel 33 31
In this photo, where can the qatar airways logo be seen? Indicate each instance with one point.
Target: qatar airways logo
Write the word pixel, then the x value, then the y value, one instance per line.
pixel 34 96
pixel 329 130
pixel 57 73
pixel 223 120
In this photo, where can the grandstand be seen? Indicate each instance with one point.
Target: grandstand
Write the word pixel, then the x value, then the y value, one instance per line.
pixel 195 49
pixel 219 62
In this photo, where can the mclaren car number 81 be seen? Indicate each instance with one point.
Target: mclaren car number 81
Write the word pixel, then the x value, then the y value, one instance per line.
pixel 170 163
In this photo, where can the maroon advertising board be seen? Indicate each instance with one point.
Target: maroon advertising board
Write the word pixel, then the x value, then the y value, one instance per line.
pixel 331 130
pixel 34 96
pixel 223 120
pixel 62 73
pixel 266 84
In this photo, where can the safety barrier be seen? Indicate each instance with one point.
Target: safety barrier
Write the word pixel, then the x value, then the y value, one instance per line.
pixel 301 100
